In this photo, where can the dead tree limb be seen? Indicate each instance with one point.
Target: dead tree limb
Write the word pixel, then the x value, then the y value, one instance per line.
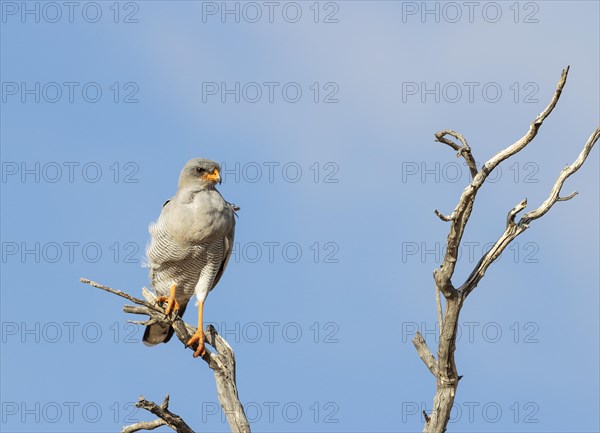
pixel 165 417
pixel 444 367
pixel 222 363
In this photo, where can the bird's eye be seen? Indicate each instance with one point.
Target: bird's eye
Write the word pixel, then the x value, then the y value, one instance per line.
pixel 200 170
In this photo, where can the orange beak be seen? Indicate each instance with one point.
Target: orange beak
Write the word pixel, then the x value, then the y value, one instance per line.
pixel 215 176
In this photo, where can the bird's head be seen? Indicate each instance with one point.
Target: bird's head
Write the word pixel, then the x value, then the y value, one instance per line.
pixel 201 173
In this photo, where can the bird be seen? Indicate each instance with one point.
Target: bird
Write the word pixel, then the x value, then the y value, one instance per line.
pixel 190 245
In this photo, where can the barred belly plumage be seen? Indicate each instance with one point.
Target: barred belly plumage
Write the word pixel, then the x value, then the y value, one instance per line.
pixel 193 268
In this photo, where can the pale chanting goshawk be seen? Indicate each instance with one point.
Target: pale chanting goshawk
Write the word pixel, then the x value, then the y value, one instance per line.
pixel 190 246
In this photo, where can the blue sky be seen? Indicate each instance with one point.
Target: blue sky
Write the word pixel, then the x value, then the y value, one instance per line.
pixel 330 154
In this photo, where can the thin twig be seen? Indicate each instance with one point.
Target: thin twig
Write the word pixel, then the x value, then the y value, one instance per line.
pixel 117 292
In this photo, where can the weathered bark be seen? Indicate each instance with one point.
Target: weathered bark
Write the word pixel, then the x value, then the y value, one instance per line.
pixel 222 363
pixel 444 367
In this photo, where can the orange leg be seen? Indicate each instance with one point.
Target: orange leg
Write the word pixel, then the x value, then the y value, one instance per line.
pixel 172 304
pixel 198 336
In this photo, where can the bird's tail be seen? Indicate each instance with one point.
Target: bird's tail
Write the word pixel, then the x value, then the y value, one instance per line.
pixel 159 332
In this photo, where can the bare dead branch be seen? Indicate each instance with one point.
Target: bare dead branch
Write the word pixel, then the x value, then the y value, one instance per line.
pixel 564 175
pixel 116 292
pixel 515 229
pixel 444 368
pixel 464 150
pixel 518 145
pixel 425 354
pixel 462 212
pixel 222 363
pixel 144 425
pixel 165 417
